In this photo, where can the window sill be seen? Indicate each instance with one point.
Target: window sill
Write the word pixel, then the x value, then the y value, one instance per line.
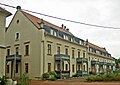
pixel 49 54
pixel 26 55
pixel 16 39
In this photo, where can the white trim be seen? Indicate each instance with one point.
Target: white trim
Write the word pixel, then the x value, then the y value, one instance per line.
pixel 2 46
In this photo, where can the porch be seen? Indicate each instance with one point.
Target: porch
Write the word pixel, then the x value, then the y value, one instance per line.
pixel 62 65
pixel 15 64
pixel 82 66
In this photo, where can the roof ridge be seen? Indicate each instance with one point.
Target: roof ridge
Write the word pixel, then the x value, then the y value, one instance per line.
pixel 97 46
pixel 35 20
pixel 4 10
pixel 30 14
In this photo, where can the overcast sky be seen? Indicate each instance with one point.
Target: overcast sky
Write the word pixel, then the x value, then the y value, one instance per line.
pixel 99 12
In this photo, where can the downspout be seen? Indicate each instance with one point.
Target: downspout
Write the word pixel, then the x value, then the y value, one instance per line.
pixel 43 56
pixel 43 42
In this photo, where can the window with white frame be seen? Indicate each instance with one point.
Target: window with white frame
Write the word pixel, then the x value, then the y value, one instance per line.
pixel 78 54
pixel 58 49
pixel 8 51
pixel 26 67
pixel 49 49
pixel 55 33
pixel 73 53
pixel 27 50
pixel 17 50
pixel 51 32
pixel 66 51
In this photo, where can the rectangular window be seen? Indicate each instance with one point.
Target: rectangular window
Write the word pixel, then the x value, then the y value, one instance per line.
pixel 83 54
pixel 17 36
pixel 16 67
pixel 66 51
pixel 55 33
pixel 58 50
pixel 49 49
pixel 8 68
pixel 89 58
pixel 17 50
pixel 63 65
pixel 49 67
pixel 71 39
pixel 51 32
pixel 8 52
pixel 83 67
pixel 64 36
pixel 79 67
pixel 73 54
pixel 26 49
pixel 58 66
pixel 73 68
pixel 26 68
pixel 66 67
pixel 78 54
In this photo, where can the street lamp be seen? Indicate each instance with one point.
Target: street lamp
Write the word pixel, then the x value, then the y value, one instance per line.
pixel 42 24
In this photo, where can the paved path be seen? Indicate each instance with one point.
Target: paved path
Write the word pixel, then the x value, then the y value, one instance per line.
pixel 72 81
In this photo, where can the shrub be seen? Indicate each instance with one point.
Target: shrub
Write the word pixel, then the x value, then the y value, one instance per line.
pixel 109 75
pixel 99 78
pixel 24 80
pixel 75 75
pixel 90 72
pixel 49 76
pixel 45 76
pixel 3 80
pixel 91 78
pixel 52 73
pixel 105 77
pixel 52 76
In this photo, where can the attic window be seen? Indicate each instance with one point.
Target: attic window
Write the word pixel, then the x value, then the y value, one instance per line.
pixel 17 36
pixel 17 21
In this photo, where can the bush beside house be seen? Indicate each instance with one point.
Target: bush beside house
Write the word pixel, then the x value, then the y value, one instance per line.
pixel 111 76
pixel 49 76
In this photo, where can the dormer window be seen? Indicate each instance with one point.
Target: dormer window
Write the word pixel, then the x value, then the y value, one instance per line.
pixel 55 33
pixel 51 32
pixel 71 39
pixel 65 37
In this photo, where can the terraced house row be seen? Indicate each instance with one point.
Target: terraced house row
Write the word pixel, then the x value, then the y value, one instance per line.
pixel 35 46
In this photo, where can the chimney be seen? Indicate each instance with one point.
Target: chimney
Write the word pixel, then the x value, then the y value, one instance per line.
pixel 62 25
pixel 86 41
pixel 18 7
pixel 67 29
pixel 104 48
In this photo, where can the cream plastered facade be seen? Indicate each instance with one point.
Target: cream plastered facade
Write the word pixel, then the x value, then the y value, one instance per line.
pixel 55 42
pixel 3 16
pixel 37 40
pixel 102 64
pixel 38 57
pixel 29 35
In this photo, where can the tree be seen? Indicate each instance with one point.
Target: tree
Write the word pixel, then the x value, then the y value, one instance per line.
pixel 117 61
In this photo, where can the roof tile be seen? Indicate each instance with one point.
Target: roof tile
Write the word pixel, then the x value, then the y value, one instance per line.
pixel 35 20
pixel 96 47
